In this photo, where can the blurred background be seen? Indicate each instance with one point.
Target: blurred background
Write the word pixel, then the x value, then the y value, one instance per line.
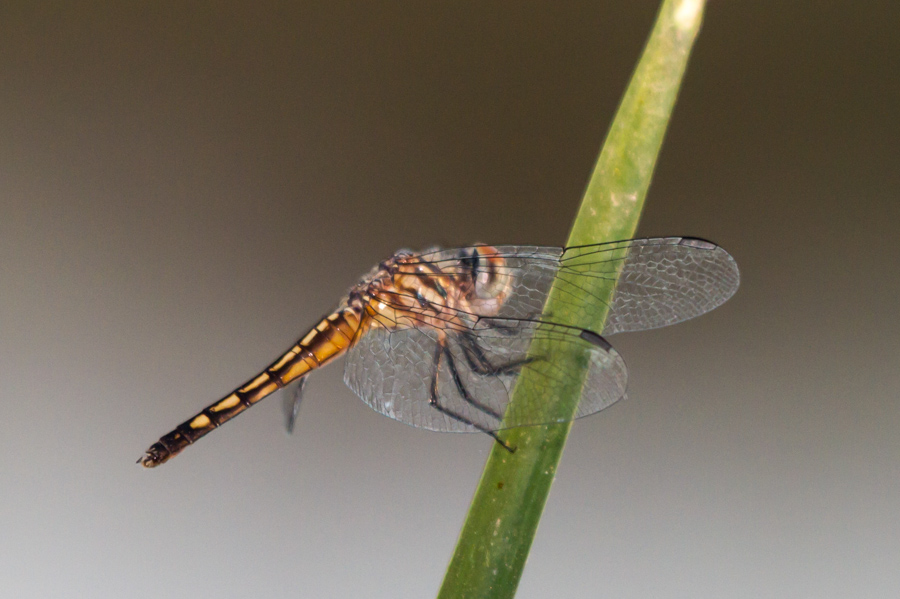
pixel 185 188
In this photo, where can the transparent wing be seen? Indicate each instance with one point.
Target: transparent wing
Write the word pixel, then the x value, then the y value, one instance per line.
pixel 662 281
pixel 458 375
pixel 470 374
pixel 292 397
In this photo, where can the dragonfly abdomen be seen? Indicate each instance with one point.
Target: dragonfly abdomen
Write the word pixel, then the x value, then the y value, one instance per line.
pixel 329 339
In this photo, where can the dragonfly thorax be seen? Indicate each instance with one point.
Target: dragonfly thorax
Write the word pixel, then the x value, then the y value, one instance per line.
pixel 409 290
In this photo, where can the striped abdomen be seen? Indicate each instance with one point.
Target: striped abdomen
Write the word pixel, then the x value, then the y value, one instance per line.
pixel 331 337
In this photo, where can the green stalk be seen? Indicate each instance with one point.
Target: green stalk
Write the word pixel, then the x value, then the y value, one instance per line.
pixel 502 520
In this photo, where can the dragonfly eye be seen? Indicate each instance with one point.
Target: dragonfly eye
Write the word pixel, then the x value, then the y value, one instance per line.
pixel 486 268
pixel 469 264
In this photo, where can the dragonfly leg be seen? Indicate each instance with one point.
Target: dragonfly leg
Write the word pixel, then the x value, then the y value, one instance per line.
pixel 441 350
pixel 479 362
pixel 462 388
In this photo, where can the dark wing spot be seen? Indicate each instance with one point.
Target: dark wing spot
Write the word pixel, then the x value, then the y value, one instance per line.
pixel 696 242
pixel 595 339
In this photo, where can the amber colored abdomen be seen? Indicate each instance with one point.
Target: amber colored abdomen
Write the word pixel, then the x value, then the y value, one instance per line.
pixel 329 339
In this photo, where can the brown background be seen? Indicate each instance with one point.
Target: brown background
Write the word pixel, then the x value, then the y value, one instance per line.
pixel 183 189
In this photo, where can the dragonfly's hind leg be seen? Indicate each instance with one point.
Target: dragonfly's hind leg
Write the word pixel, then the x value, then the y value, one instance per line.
pixel 462 388
pixel 440 351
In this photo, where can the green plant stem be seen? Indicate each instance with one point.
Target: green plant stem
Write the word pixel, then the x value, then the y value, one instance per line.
pixel 503 517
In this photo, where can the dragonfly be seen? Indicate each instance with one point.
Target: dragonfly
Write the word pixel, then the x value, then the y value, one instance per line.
pixel 440 339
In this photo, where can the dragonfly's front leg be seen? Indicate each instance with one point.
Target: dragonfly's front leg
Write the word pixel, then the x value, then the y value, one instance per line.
pixel 479 362
pixel 441 350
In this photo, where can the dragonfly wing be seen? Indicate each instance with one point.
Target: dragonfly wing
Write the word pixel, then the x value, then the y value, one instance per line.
pixel 292 397
pixel 393 371
pixel 661 281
